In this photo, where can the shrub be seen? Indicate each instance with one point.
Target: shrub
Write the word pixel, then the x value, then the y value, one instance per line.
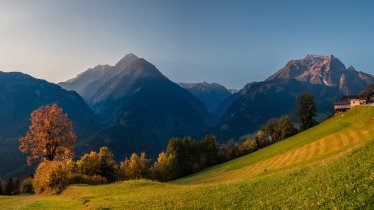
pixel 50 177
pixel 89 164
pixel 26 186
pixel 85 179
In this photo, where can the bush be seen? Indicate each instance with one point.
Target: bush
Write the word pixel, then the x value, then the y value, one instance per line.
pixel 26 186
pixel 85 179
pixel 50 177
pixel 89 164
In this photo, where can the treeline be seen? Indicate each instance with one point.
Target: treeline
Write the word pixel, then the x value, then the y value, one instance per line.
pixel 183 156
pixel 15 186
pixel 275 130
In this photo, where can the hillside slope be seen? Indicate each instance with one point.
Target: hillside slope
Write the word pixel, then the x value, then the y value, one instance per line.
pixel 328 166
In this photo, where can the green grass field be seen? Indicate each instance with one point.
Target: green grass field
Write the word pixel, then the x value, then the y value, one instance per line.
pixel 328 166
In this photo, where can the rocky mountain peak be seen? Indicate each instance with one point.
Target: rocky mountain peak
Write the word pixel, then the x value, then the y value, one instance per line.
pixel 316 58
pixel 142 68
pixel 313 69
pixel 125 61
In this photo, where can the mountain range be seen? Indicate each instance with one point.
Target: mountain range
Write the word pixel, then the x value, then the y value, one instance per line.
pixel 20 94
pixel 211 94
pixel 326 77
pixel 139 107
pixel 132 107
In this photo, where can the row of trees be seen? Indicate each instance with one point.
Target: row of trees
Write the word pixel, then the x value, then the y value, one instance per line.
pixel 183 156
pixel 51 137
pixel 278 129
pixel 275 130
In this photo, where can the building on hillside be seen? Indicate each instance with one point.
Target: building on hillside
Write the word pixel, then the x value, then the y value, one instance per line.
pixel 348 102
pixel 371 98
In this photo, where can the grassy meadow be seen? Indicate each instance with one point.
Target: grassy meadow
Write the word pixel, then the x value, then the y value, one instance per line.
pixel 328 166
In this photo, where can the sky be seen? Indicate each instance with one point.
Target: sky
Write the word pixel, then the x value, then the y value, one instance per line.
pixel 230 42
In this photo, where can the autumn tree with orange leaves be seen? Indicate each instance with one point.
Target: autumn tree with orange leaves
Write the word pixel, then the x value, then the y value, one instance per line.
pixel 50 135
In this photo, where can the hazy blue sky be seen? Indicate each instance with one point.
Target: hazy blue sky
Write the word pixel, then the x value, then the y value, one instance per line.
pixel 230 42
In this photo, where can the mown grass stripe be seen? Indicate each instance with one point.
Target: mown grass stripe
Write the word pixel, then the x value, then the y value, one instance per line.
pixel 323 144
pixel 312 151
pixel 283 158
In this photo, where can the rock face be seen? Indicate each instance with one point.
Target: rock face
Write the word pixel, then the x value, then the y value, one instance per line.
pixel 211 94
pixel 324 76
pixel 20 94
pixel 141 108
pixel 325 71
pixel 368 92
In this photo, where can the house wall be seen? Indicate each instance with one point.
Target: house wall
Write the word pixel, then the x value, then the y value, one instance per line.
pixel 355 102
pixel 341 107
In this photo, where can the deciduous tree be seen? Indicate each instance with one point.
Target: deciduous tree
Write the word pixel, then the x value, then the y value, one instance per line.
pixel 163 169
pixel 101 164
pixel 187 155
pixel 286 127
pixel 271 130
pixel 248 146
pixel 137 167
pixel 209 150
pixel 50 135
pixel 306 110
